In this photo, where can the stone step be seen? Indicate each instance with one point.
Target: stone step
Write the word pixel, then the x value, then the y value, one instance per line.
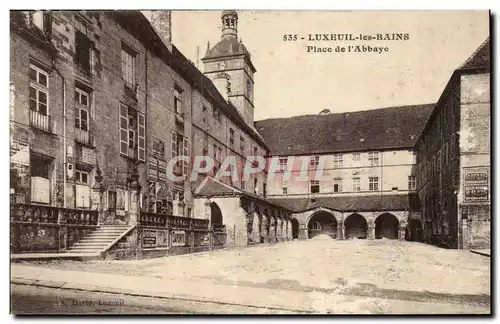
pixel 103 234
pixel 114 226
pixel 81 244
pixel 97 251
pixel 114 230
pixel 87 249
pixel 94 239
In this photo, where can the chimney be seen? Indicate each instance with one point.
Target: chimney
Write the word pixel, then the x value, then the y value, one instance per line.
pixel 162 22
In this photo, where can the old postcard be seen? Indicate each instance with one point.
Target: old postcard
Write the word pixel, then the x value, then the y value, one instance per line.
pixel 250 162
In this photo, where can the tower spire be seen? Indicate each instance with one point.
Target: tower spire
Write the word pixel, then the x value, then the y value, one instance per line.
pixel 229 23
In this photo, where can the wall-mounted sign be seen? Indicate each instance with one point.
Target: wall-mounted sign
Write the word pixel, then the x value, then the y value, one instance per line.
pixel 88 155
pixel 162 170
pixel 148 241
pixel 153 168
pixel 476 184
pixel 154 238
pixel 178 238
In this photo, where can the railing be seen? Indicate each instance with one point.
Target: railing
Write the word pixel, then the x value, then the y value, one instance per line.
pixel 52 215
pixel 170 221
pixel 83 136
pixel 39 120
pixel 39 228
pixel 152 219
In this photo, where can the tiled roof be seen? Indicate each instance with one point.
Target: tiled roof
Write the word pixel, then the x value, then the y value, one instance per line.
pixel 352 203
pixel 480 58
pixel 211 187
pixel 227 46
pixel 386 128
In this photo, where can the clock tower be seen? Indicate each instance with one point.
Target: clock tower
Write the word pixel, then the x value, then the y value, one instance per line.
pixel 228 64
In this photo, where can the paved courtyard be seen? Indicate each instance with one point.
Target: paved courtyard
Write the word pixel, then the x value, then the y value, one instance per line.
pixel 381 268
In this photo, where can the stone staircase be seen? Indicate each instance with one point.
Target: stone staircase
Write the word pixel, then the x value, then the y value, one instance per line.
pixel 99 240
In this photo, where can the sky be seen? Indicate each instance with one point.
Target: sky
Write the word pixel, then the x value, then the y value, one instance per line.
pixel 290 81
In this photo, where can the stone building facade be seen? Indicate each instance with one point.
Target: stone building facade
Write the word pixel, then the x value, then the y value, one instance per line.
pixel 454 159
pixel 103 105
pixel 343 177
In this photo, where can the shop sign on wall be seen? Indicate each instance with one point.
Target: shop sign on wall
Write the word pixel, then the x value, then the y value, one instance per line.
pixel 476 184
pixel 88 156
pixel 154 238
pixel 178 238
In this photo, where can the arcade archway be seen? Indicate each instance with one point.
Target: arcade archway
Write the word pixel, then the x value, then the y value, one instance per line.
pixel 386 226
pixel 216 219
pixel 414 231
pixel 355 227
pixel 322 222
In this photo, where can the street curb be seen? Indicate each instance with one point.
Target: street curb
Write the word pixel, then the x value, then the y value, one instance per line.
pixel 139 293
pixel 481 253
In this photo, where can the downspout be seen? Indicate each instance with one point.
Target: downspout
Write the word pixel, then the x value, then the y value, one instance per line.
pixel 65 162
pixel 146 162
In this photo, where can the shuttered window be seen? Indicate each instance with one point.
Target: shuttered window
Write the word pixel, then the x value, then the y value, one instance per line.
pixel 141 131
pixel 123 129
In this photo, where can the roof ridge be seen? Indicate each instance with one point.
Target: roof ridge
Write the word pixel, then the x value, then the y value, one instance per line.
pixel 349 112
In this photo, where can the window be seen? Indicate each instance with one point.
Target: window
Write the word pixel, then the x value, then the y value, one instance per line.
pixel 82 177
pixel 180 147
pixel 39 94
pixel 217 115
pixel 314 186
pixel 313 163
pixel 83 45
pixel 283 163
pixel 128 66
pixel 242 145
pixel 285 190
pixel 204 115
pixel 373 183
pixel 412 183
pixel 338 160
pixel 231 137
pixel 132 133
pixel 158 148
pixel 356 157
pixel 177 100
pixel 82 103
pixel 373 158
pixel 337 185
pixel 356 186
pixel 42 20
